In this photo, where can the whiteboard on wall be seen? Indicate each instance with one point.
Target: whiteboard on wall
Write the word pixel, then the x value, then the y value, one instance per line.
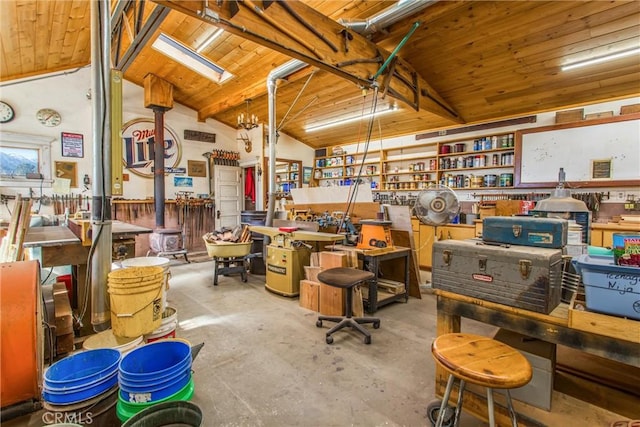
pixel 575 148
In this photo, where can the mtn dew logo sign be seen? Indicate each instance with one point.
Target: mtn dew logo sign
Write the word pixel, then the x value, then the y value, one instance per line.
pixel 138 137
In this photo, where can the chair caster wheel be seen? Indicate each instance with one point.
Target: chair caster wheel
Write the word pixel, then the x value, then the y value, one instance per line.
pixel 329 340
pixel 433 410
pixel 376 325
pixel 367 340
pixel 319 323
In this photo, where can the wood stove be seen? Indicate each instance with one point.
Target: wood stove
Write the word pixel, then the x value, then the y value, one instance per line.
pixel 167 241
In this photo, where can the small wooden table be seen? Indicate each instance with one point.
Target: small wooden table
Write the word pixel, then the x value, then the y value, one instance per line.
pixel 372 261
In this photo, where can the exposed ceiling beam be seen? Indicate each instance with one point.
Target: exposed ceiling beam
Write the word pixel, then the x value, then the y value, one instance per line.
pixel 232 97
pixel 151 24
pixel 329 46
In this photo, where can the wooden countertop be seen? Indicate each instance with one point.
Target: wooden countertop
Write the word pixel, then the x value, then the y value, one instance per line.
pixel 614 226
pixel 450 225
pixel 61 235
pixel 611 226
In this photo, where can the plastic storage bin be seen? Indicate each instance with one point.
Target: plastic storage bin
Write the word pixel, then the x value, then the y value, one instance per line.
pixel 610 288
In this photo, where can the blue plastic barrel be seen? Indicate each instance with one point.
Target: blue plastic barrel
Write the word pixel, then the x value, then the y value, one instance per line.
pixel 155 360
pixel 82 368
pixel 81 376
pixel 154 371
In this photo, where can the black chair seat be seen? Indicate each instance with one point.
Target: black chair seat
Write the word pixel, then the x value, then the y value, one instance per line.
pixel 343 277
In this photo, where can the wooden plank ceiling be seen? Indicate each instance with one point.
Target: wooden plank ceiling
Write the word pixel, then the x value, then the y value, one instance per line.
pixel 484 60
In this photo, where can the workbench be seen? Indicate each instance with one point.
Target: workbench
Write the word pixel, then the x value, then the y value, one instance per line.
pixel 372 261
pixel 58 236
pixel 554 328
pixel 60 246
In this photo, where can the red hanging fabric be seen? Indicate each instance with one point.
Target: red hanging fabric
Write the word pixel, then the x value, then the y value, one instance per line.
pixel 249 185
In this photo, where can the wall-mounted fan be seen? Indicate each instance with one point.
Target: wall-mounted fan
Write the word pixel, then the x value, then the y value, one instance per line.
pixel 436 205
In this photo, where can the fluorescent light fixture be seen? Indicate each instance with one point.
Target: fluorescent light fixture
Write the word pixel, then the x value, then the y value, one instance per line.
pixel 190 58
pixel 600 59
pixel 209 40
pixel 350 119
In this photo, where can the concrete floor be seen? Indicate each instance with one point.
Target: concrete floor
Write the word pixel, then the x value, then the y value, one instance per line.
pixel 265 363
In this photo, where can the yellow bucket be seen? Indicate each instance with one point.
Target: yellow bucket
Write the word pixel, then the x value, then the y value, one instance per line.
pixel 152 262
pixel 136 300
pixel 135 275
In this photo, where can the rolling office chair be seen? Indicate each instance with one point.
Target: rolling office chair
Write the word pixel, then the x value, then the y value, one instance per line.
pixel 346 278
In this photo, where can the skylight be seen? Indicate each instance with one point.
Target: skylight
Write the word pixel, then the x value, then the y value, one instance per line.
pixel 190 59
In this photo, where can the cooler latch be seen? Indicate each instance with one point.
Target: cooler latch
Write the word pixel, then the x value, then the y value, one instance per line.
pixel 446 257
pixel 525 268
pixel 516 229
pixel 482 263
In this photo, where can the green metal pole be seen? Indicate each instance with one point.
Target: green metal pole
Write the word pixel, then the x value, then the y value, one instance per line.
pixel 395 51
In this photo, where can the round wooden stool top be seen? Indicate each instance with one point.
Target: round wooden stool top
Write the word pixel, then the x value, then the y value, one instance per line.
pixel 481 360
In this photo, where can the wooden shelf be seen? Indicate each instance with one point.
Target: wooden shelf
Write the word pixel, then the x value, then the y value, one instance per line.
pixel 429 160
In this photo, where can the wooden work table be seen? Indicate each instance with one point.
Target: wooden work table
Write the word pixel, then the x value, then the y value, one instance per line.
pixel 59 246
pixel 372 261
pixel 554 328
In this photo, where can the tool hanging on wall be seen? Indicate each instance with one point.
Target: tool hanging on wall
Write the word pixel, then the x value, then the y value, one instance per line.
pixel 72 202
pixel 195 216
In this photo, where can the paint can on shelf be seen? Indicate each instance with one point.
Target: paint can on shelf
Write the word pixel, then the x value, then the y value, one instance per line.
pixel 459 148
pixel 490 180
pixel 506 180
pixel 476 181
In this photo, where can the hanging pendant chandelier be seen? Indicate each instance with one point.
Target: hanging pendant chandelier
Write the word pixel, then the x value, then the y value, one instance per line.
pixel 247 121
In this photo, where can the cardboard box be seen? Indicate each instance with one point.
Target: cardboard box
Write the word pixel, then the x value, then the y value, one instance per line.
pixel 487 211
pixel 542 357
pixel 310 295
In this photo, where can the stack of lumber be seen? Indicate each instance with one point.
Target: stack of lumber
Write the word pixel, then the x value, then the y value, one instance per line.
pixel 11 247
pixel 235 235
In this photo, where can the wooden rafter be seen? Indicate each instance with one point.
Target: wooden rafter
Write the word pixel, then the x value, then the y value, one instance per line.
pixel 286 30
pixel 143 30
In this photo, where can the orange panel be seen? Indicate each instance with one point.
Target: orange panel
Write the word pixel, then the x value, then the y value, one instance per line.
pixel 21 349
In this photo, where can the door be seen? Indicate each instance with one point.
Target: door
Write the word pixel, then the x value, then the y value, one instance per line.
pixel 250 189
pixel 228 196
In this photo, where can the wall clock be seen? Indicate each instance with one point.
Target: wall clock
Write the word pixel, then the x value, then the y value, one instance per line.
pixel 6 112
pixel 48 117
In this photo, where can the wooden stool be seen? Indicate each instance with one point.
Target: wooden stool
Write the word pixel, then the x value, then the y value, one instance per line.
pixel 482 361
pixel 347 278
